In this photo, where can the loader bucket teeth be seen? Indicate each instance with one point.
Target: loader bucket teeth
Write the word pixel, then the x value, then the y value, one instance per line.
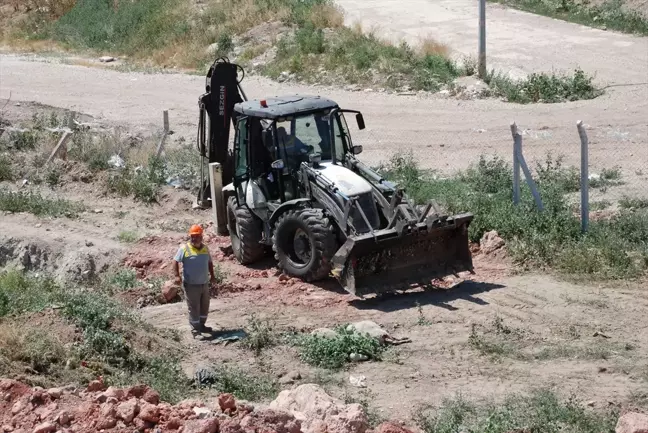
pixel 389 261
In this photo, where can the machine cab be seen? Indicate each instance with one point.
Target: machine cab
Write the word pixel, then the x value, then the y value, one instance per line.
pixel 275 136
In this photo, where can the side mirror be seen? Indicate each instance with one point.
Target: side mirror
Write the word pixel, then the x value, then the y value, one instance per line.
pixel 360 120
pixel 357 149
pixel 278 164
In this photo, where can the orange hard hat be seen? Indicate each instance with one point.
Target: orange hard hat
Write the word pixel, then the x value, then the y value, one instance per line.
pixel 195 230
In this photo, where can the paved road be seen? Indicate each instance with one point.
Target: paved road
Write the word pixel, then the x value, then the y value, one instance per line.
pixel 518 42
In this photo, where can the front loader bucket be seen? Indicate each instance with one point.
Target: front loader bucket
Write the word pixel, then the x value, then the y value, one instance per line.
pixel 399 258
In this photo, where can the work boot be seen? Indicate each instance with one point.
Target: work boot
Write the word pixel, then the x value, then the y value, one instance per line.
pixel 204 328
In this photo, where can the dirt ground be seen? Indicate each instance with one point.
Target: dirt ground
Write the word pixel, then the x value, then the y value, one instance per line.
pixel 483 336
pixel 496 332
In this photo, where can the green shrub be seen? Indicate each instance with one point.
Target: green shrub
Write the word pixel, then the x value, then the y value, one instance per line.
pixel 611 14
pixel 334 352
pixel 241 384
pixel 6 172
pixel 35 203
pixel 133 27
pixel 540 412
pixel 543 87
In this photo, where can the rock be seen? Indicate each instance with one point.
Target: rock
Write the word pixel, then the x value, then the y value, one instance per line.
pixel 6 428
pixel 105 423
pixel 491 242
pixel 95 386
pixel 55 393
pixel 315 410
pixel 173 423
pixel 45 427
pixel 112 392
pixel 127 410
pixel 169 290
pixel 151 396
pixel 137 391
pixel 390 427
pixel 106 59
pixel 63 418
pixel 367 327
pixel 226 401
pixel 271 420
pixel 632 422
pixel 18 407
pixel 290 378
pixel 325 332
pixel 201 426
pixel 149 412
pixel 201 412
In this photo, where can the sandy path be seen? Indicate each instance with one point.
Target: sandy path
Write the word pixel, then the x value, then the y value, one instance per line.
pixel 517 41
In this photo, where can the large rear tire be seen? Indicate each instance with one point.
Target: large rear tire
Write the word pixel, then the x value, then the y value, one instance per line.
pixel 245 231
pixel 304 244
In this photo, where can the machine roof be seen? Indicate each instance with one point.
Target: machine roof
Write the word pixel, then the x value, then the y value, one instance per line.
pixel 281 106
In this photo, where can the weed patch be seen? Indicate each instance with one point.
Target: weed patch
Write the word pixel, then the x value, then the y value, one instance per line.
pixel 360 58
pixel 611 14
pixel 241 384
pixel 142 184
pixel 6 171
pixel 260 335
pixel 543 87
pixel 540 412
pixel 106 345
pixel 334 352
pixel 128 237
pixel 35 203
pixel 614 249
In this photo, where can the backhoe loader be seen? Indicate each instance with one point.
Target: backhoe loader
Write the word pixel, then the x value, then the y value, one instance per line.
pixel 291 182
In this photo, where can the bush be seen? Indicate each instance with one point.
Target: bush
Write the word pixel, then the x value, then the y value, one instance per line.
pixel 540 412
pixel 35 203
pixel 6 172
pixel 132 27
pixel 543 87
pixel 333 352
pixel 241 384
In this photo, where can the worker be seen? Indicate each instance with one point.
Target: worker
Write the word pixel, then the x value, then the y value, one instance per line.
pixel 197 274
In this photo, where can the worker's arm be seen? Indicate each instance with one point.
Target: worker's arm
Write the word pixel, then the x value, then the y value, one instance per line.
pixel 176 265
pixel 211 269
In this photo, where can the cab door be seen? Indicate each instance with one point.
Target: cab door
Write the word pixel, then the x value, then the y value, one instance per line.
pixel 241 153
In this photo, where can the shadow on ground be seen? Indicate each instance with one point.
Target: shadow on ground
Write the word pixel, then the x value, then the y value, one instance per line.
pixel 430 296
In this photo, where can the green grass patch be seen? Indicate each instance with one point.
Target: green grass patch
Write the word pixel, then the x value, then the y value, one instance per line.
pixel 334 352
pixel 358 57
pixel 142 184
pixel 35 203
pixel 128 237
pixel 541 412
pixel 611 14
pixel 131 28
pixel 6 171
pixel 544 87
pixel 260 335
pixel 108 346
pixel 633 203
pixel 242 384
pixel 614 249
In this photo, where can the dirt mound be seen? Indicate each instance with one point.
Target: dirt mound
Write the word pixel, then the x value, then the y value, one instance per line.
pixel 306 409
pixel 114 409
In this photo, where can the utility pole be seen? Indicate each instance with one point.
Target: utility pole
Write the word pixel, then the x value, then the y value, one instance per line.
pixel 482 39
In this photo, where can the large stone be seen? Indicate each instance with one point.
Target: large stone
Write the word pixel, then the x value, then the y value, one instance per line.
pixel 169 290
pixel 632 422
pixel 201 426
pixel 45 427
pixel 491 242
pixel 367 327
pixel 127 410
pixel 226 402
pixel 314 408
pixel 149 412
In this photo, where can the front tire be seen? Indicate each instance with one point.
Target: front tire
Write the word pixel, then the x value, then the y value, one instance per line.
pixel 245 232
pixel 304 244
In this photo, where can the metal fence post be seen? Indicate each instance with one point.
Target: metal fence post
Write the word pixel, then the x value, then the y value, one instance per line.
pixel 517 148
pixel 482 39
pixel 584 175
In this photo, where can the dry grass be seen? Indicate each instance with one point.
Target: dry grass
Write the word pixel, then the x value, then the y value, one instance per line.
pixel 326 16
pixel 431 47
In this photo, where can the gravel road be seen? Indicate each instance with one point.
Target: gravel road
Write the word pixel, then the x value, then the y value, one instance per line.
pixel 443 133
pixel 517 41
